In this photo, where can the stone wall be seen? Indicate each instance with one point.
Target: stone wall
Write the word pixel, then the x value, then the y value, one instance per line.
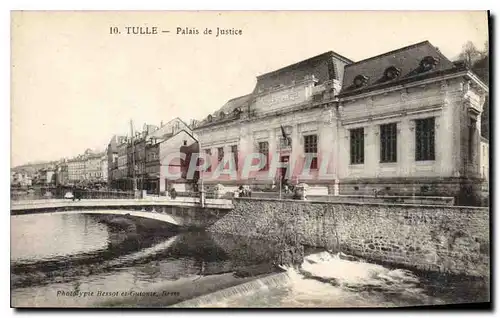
pixel 465 191
pixel 454 239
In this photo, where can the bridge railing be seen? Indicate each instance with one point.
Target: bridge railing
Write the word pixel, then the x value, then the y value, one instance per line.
pixel 208 195
pixel 188 194
pixel 363 198
pixel 58 194
pixel 107 195
pixel 53 193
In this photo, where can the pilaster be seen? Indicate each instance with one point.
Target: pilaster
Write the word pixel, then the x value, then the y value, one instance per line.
pixel 372 152
pixel 406 141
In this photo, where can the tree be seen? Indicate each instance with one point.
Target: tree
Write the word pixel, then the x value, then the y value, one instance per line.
pixel 470 54
pixel 479 61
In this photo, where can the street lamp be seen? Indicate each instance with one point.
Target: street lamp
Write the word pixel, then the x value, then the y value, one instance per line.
pixel 202 192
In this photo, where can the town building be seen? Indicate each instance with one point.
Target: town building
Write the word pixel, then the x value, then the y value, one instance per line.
pixel 405 122
pixel 62 177
pixel 160 145
pixel 93 171
pixel 138 158
pixel 112 158
pixel 76 169
pixel 21 179
pixel 104 169
pixel 409 123
pixel 120 180
pixel 289 113
pixel 47 176
pixel 167 163
pixel 85 168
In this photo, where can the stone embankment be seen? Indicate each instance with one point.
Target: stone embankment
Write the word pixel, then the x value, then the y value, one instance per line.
pixel 448 239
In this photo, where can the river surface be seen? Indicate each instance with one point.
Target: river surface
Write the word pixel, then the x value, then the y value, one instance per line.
pixel 83 260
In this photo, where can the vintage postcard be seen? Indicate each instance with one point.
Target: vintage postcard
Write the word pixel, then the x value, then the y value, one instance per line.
pixel 250 159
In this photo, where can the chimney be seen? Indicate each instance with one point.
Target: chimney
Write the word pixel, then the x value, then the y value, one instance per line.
pixel 161 123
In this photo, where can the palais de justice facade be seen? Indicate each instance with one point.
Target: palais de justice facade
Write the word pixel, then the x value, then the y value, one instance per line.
pixel 405 122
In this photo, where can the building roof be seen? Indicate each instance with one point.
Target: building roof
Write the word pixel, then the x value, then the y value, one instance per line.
pixel 226 112
pixel 323 67
pixel 406 61
pixel 234 103
pixel 168 128
pixel 171 138
pixel 115 141
pixel 94 156
pixel 307 62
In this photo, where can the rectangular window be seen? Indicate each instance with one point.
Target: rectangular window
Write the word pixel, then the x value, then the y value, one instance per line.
pixel 424 139
pixel 472 132
pixel 208 157
pixel 311 147
pixel 264 150
pixel 388 143
pixel 357 146
pixel 220 155
pixel 234 151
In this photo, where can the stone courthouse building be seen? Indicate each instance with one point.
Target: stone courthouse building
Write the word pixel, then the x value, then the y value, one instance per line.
pixel 405 122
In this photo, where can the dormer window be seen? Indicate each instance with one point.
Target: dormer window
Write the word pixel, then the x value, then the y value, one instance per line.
pixel 391 73
pixel 222 115
pixel 209 118
pixel 360 81
pixel 428 63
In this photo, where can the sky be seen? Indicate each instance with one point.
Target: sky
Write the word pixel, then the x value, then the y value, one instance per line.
pixel 74 85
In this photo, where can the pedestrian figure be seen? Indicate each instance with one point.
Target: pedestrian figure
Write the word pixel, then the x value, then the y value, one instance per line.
pixel 285 185
pixel 77 195
pixel 173 193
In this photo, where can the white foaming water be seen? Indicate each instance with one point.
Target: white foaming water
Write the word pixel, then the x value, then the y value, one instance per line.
pixel 334 280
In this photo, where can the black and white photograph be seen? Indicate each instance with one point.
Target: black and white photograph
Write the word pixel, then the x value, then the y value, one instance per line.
pixel 250 159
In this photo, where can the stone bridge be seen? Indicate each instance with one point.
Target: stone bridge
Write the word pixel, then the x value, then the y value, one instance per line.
pixel 182 212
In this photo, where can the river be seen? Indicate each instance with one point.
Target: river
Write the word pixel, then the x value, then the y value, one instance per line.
pixel 84 260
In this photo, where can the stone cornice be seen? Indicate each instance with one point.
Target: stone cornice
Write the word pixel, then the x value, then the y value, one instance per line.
pixel 397 87
pixel 394 114
pixel 302 107
pixel 478 82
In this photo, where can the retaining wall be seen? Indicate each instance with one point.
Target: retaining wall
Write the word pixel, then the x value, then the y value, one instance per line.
pixel 448 239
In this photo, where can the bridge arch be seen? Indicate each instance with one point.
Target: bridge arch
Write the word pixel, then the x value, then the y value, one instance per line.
pixel 183 214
